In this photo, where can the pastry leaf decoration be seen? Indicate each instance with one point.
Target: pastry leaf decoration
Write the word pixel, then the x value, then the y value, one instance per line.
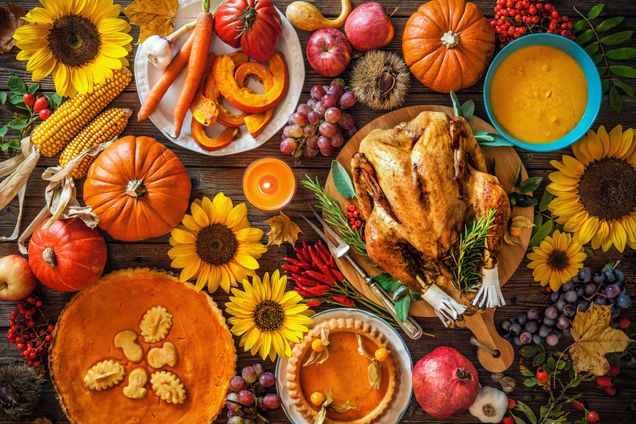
pixel 282 230
pixel 374 370
pixel 329 403
pixel 322 356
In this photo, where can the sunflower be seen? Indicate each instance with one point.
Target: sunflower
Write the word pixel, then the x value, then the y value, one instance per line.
pixel 595 191
pixel 79 41
pixel 267 317
pixel 557 259
pixel 216 244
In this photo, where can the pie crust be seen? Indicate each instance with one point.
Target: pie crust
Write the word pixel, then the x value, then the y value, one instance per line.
pixel 345 379
pixel 84 336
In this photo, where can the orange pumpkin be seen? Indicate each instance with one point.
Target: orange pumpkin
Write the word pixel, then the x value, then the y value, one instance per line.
pixel 138 188
pixel 448 44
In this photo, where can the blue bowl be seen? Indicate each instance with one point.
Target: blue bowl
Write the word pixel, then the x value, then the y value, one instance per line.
pixel 594 91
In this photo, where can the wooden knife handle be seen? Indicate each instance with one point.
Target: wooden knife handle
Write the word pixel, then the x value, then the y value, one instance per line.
pixel 482 325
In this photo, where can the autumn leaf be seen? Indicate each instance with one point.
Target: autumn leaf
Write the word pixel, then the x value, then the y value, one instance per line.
pixel 282 230
pixel 594 338
pixel 153 17
pixel 9 22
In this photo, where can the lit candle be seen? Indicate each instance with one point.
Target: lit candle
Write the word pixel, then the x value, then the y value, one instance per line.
pixel 269 184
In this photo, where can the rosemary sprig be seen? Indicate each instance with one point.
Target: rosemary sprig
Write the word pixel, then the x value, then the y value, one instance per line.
pixel 469 256
pixel 334 214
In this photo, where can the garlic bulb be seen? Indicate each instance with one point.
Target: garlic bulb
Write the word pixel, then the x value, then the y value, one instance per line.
pixel 490 406
pixel 159 50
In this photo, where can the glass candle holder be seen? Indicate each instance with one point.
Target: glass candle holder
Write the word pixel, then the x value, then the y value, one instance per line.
pixel 269 184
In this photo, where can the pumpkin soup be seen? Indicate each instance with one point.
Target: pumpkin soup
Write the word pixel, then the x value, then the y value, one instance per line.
pixel 538 94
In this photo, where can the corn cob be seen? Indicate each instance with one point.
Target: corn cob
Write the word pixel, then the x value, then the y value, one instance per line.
pixel 52 135
pixel 108 124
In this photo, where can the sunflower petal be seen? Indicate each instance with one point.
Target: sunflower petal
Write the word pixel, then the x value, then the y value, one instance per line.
pixel 246 261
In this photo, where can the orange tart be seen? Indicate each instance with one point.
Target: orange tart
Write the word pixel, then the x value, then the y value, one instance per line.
pixel 343 370
pixel 141 347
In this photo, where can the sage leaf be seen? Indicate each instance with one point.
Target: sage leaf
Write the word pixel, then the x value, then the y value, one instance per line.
pixel 16 85
pixel 624 87
pixel 341 180
pixel 592 48
pixel 579 25
pixel 595 11
pixel 623 53
pixel 34 88
pixel 615 101
pixel 387 282
pixel 3 97
pixel 617 38
pixel 530 185
pixel 456 105
pixel 546 198
pixel 585 37
pixel 541 233
pixel 468 109
pixel 623 71
pixel 402 308
pixel 610 23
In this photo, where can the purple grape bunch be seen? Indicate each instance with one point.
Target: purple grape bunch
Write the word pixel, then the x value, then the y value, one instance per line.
pixel 250 395
pixel 321 125
pixel 603 287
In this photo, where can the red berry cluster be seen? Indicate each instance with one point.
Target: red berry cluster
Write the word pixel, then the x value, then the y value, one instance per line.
pixel 514 19
pixel 40 105
pixel 356 222
pixel 30 331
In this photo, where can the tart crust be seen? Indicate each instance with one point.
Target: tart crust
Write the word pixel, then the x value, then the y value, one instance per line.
pixel 336 325
pixel 83 332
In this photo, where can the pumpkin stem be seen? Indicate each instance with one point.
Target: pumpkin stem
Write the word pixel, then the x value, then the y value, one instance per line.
pixel 136 188
pixel 450 39
pixel 48 255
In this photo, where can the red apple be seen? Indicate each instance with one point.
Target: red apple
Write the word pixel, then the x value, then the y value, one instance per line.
pixel 328 52
pixel 369 27
pixel 16 278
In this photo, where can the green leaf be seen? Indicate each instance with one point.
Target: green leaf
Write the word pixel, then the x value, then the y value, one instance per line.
pixel 34 88
pixel 16 85
pixel 530 185
pixel 617 38
pixel 579 25
pixel 550 364
pixel 605 84
pixel 55 100
pixel 525 371
pixel 595 11
pixel 15 99
pixel 542 410
pixel 546 198
pixel 585 37
pixel 483 136
pixel 3 131
pixel 518 177
pixel 341 180
pixel 3 97
pixel 518 420
pixel 530 382
pixel 597 59
pixel 402 307
pixel 538 220
pixel 541 233
pixel 588 251
pixel 387 282
pixel 468 109
pixel 539 359
pixel 527 411
pixel 18 123
pixel 528 351
pixel 610 23
pixel 523 200
pixel 623 71
pixel 615 101
pixel 623 53
pixel 456 105
pixel 592 48
pixel 624 87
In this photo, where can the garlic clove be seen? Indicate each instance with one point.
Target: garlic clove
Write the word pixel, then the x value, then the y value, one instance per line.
pixel 159 51
pixel 490 406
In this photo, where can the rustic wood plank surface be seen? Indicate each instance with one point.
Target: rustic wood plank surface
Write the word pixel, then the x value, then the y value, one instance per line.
pixel 210 175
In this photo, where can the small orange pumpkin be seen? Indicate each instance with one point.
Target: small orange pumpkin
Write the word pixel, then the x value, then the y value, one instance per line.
pixel 138 188
pixel 448 44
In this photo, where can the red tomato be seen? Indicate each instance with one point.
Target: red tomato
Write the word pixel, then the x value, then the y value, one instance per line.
pixel 252 25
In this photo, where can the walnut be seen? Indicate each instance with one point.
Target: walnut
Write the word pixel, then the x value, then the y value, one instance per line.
pixel 161 356
pixel 104 375
pixel 136 382
pixel 126 340
pixel 168 387
pixel 155 324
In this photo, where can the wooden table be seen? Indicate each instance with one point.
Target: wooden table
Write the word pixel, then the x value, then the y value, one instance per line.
pixel 210 175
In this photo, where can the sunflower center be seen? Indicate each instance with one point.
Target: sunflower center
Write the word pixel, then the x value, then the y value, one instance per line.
pixel 216 244
pixel 558 260
pixel 607 188
pixel 74 40
pixel 269 315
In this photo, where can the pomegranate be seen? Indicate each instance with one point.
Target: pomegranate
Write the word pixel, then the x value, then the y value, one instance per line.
pixel 445 382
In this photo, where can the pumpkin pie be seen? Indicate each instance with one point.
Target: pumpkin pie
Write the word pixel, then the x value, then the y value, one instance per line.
pixel 336 361
pixel 95 361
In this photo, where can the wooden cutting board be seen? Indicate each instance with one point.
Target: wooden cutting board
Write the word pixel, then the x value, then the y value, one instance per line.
pixel 506 163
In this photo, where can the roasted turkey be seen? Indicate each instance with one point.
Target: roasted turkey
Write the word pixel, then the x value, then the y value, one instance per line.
pixel 418 184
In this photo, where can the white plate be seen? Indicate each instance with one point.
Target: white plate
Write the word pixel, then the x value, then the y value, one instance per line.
pixel 403 396
pixel 147 75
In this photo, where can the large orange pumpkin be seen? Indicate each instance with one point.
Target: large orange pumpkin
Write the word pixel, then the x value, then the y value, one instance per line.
pixel 448 44
pixel 138 188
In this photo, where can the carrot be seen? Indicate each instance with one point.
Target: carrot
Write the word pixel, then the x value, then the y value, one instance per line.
pixel 196 66
pixel 170 74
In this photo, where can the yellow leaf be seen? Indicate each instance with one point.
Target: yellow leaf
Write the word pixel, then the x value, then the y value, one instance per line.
pixel 153 17
pixel 282 230
pixel 594 338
